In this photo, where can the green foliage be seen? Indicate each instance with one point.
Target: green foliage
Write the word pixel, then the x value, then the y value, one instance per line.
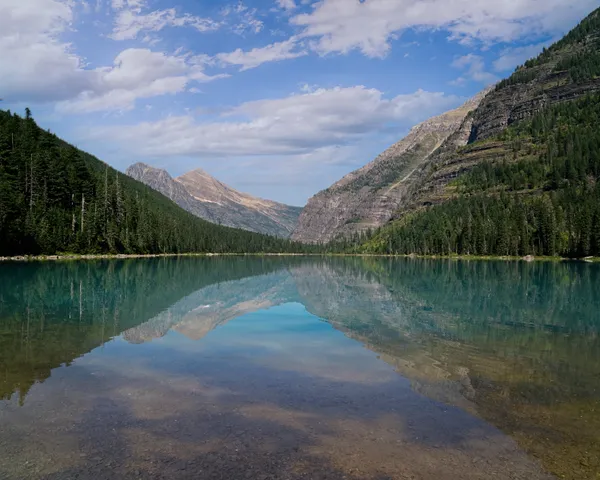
pixel 56 198
pixel 568 151
pixel 588 27
pixel 545 205
pixel 525 174
pixel 582 66
pixel 565 223
pixel 523 74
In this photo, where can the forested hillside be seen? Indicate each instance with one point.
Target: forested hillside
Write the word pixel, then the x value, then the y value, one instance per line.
pixel 55 198
pixel 531 188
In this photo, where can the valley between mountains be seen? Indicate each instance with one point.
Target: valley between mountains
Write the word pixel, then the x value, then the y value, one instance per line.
pixel 156 324
pixel 512 172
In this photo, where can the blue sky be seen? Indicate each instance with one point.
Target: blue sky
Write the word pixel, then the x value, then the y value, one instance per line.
pixel 279 98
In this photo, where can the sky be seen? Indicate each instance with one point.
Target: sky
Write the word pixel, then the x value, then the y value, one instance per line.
pixel 277 98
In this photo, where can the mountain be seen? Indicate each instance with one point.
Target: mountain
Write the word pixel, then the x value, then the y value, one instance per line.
pixel 368 197
pixel 527 182
pixel 207 198
pixel 55 198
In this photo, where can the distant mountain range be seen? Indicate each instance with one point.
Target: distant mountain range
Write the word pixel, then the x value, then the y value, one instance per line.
pixel 206 197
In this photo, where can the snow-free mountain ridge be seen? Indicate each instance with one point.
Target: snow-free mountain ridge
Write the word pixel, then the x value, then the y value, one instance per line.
pixel 206 197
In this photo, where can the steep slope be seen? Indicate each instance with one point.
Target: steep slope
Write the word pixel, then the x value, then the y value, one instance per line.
pixel 207 198
pixel 161 181
pixel 527 182
pixel 566 71
pixel 241 209
pixel 367 198
pixel 55 198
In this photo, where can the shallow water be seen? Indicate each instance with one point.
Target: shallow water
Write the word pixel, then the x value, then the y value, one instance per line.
pixel 275 368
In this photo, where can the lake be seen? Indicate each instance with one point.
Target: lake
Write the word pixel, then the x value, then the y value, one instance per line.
pixel 299 368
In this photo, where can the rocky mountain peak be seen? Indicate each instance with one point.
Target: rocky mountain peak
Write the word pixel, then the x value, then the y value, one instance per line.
pixel 203 195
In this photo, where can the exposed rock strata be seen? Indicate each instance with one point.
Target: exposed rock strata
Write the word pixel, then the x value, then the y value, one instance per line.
pixel 502 107
pixel 207 198
pixel 367 198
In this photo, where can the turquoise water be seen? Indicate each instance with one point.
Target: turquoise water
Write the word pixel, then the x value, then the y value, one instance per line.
pixel 285 368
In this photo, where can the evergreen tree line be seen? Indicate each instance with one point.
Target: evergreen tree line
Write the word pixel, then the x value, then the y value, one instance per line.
pixel 549 205
pixel 587 28
pixel 55 198
pixel 565 223
pixel 521 75
pixel 582 66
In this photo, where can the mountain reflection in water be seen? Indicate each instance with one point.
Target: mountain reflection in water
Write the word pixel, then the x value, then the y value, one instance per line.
pixel 229 366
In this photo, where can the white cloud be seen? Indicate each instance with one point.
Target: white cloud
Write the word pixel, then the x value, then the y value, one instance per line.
pixel 292 179
pixel 249 23
pixel 475 70
pixel 286 4
pixel 36 65
pixel 244 19
pixel 130 20
pixel 133 4
pixel 136 73
pixel 257 56
pixel 308 88
pixel 292 125
pixel 512 57
pixel 369 25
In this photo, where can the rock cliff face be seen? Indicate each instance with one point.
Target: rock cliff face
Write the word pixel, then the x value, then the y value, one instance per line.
pixel 418 171
pixel 513 103
pixel 561 73
pixel 538 84
pixel 207 198
pixel 368 197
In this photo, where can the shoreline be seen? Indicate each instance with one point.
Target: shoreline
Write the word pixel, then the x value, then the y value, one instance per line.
pixel 123 256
